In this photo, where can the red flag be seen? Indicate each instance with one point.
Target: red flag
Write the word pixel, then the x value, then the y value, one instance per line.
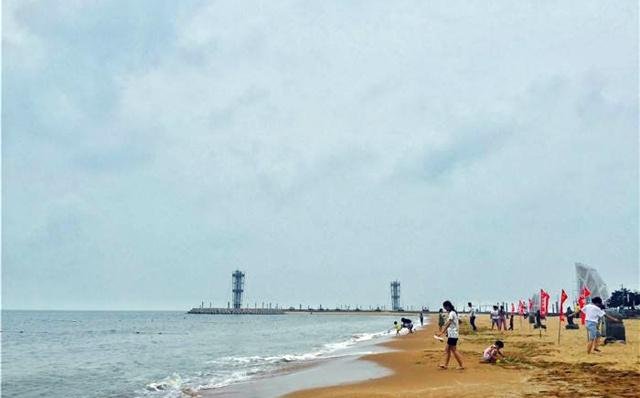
pixel 530 305
pixel 520 307
pixel 563 298
pixel 580 305
pixel 544 303
pixel 586 292
pixel 513 308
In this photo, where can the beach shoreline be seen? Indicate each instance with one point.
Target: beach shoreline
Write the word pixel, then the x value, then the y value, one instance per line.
pixel 334 367
pixel 319 373
pixel 537 365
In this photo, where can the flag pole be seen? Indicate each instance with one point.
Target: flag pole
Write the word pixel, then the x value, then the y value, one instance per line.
pixel 559 321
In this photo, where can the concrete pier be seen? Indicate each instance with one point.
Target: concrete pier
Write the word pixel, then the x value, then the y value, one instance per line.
pixel 236 311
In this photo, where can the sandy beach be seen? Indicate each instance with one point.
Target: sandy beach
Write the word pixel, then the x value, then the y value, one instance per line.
pixel 536 365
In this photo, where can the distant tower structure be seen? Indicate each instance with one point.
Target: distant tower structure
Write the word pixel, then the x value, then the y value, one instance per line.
pixel 237 287
pixel 395 296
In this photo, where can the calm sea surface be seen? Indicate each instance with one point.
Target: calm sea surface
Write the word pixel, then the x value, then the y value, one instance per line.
pixel 159 354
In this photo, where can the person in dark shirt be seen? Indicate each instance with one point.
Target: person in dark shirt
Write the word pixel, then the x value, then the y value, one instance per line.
pixel 502 319
pixel 569 315
pixel 407 323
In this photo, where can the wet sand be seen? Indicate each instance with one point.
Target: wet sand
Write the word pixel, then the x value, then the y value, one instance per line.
pixel 536 366
pixel 321 373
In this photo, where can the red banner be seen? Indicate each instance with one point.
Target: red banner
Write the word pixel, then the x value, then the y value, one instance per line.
pixel 581 301
pixel 563 298
pixel 544 303
pixel 586 292
pixel 530 305
pixel 513 308
pixel 521 307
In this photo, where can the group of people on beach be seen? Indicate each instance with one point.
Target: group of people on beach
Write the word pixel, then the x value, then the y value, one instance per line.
pixel 499 318
pixel 449 325
pixel 405 323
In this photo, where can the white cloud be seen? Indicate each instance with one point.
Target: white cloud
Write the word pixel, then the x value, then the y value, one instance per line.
pixel 325 141
pixel 20 44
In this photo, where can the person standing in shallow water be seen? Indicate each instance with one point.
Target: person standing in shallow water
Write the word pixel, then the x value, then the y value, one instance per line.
pixel 451 327
pixel 421 319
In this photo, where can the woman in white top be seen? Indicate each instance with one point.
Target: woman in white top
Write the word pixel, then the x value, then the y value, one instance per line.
pixel 451 327
pixel 495 317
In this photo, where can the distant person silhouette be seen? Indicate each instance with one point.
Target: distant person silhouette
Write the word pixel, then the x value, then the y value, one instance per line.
pixel 495 317
pixel 472 317
pixel 569 315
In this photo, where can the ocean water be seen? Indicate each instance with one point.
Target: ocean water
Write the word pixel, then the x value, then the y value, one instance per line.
pixel 161 354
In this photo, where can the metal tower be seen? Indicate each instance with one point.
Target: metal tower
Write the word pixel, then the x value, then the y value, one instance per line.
pixel 237 287
pixel 395 296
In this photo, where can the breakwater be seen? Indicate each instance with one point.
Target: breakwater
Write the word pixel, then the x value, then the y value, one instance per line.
pixel 236 311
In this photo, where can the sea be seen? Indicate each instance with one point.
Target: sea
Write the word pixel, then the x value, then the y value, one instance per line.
pixel 169 354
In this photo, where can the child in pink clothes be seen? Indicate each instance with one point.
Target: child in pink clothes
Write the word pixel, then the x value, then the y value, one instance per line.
pixel 492 353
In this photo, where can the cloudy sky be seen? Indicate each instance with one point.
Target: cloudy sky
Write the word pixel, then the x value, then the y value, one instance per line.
pixel 472 150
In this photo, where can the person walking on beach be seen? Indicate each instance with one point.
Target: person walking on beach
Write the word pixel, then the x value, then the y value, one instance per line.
pixel 593 313
pixel 421 319
pixel 451 328
pixel 472 317
pixel 440 319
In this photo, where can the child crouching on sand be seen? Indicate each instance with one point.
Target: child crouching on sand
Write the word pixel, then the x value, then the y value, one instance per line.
pixel 492 353
pixel 451 327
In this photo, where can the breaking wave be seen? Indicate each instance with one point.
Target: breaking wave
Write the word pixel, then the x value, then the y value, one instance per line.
pixel 238 369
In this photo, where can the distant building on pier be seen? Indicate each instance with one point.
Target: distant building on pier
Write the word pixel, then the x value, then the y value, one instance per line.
pixel 237 288
pixel 395 296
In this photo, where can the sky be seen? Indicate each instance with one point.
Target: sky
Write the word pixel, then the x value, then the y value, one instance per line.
pixel 471 150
